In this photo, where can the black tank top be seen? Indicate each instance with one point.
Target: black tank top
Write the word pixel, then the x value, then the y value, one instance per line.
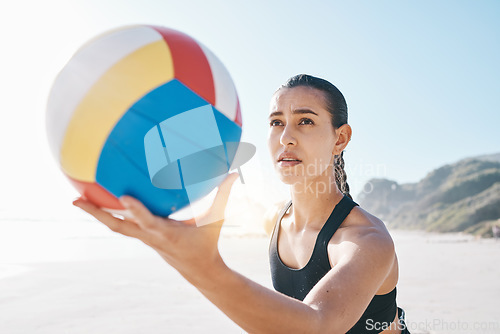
pixel 297 283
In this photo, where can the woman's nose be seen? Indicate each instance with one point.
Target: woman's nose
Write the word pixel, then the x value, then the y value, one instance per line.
pixel 288 137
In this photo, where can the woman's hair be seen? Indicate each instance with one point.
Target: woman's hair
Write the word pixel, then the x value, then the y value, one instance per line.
pixel 337 107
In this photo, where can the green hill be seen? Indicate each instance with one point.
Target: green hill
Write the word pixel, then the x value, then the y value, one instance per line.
pixel 464 196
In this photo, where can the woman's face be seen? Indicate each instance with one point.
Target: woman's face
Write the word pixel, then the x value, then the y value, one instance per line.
pixel 301 136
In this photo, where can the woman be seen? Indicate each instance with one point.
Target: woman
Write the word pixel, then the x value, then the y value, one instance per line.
pixel 333 264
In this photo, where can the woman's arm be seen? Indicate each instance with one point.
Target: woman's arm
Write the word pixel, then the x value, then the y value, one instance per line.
pixel 332 306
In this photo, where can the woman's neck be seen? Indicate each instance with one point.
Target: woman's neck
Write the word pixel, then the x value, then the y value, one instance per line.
pixel 313 201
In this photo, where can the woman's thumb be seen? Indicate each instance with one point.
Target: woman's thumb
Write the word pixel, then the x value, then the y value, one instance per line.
pixel 222 195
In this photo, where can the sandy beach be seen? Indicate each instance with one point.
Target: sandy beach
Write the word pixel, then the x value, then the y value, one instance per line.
pixel 105 283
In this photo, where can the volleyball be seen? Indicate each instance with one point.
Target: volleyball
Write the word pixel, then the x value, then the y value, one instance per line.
pixel 144 111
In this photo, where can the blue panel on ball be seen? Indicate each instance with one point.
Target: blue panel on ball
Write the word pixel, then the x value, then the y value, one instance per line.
pixel 167 100
pixel 156 157
pixel 123 164
pixel 190 132
pixel 229 130
pixel 120 176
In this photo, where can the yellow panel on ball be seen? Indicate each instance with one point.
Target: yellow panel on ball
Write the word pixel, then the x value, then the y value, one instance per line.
pixel 106 102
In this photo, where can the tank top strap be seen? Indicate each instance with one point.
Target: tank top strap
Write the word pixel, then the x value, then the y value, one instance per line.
pixel 337 217
pixel 277 223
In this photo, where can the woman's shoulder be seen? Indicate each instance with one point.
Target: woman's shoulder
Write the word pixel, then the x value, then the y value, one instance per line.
pixel 364 223
pixel 364 238
pixel 363 245
pixel 362 231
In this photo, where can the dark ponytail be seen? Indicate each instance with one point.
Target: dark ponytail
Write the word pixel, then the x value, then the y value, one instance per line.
pixel 337 107
pixel 340 175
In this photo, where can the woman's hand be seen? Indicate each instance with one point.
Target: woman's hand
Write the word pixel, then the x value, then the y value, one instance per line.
pixel 190 249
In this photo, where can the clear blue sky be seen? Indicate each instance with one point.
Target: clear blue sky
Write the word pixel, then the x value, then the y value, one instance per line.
pixel 421 78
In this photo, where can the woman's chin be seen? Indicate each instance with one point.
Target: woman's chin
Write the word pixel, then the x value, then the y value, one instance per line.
pixel 291 179
pixel 287 180
pixel 302 178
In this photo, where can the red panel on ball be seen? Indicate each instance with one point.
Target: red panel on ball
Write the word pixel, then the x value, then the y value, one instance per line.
pixel 97 194
pixel 237 119
pixel 191 66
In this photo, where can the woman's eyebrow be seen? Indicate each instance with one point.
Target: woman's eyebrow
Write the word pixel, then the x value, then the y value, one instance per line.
pixel 304 111
pixel 294 112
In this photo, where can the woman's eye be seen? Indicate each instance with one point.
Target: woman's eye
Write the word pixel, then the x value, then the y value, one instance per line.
pixel 275 122
pixel 306 121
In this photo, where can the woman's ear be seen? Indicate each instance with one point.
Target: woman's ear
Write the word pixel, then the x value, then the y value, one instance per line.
pixel 344 134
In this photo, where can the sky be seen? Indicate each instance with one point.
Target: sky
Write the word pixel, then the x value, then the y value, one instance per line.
pixel 421 80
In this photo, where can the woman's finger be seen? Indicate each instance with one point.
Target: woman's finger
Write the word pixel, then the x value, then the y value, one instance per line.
pixel 141 214
pixel 126 228
pixel 222 196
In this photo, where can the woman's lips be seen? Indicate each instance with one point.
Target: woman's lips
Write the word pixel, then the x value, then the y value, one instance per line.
pixel 288 163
